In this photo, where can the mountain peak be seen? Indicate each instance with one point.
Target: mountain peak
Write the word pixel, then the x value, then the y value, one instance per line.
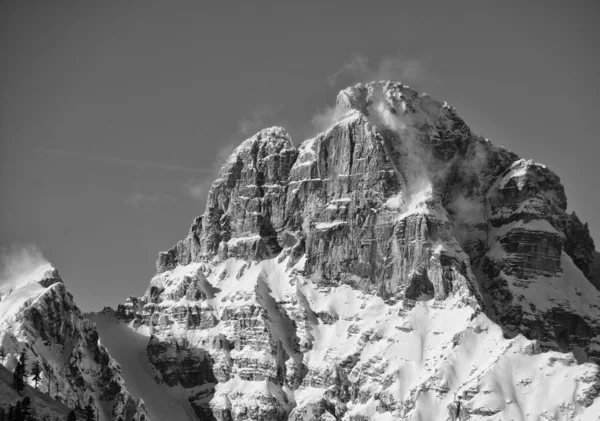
pixel 391 103
pixel 357 271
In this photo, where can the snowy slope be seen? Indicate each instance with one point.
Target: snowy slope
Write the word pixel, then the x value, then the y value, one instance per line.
pixel 129 349
pixel 413 360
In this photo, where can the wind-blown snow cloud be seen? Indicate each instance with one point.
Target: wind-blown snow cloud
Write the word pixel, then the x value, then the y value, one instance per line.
pixel 257 119
pixel 322 120
pixel 358 68
pixel 398 67
pixel 197 189
pixel 358 65
pixel 16 262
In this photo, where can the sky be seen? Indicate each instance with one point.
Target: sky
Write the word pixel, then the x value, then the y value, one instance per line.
pixel 116 115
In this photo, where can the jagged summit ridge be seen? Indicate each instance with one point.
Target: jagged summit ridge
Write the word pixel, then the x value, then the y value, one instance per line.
pixel 394 266
pixel 423 146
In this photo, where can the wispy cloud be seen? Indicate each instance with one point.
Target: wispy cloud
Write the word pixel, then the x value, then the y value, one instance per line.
pixel 263 116
pixel 357 65
pixel 257 119
pixel 398 67
pixel 138 198
pixel 197 189
pixel 359 68
pixel 322 119
pixel 17 262
pixel 115 160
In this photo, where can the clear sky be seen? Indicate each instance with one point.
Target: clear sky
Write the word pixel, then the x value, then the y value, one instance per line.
pixel 115 115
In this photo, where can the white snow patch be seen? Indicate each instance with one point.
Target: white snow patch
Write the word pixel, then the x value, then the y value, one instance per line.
pixel 329 225
pixel 236 240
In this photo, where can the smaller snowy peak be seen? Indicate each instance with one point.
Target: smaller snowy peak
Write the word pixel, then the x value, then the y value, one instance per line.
pixel 38 317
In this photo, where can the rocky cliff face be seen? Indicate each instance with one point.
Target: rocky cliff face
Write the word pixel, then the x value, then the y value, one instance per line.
pixel 396 266
pixel 39 317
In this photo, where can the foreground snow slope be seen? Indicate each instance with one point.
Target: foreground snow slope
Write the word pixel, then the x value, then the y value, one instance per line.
pixel 129 349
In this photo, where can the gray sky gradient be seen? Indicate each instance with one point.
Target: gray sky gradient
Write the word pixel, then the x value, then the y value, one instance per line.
pixel 115 115
pixel 114 160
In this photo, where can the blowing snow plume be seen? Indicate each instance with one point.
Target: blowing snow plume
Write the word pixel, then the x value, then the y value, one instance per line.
pixel 20 264
pixel 427 164
pixel 395 122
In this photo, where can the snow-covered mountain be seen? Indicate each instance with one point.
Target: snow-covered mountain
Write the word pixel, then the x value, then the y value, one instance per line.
pixel 395 267
pixel 39 317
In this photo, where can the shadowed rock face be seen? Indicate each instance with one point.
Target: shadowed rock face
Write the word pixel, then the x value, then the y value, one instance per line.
pixel 399 203
pixel 180 366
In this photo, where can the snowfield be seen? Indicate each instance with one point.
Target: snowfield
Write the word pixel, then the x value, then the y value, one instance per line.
pixel 432 353
pixel 129 349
